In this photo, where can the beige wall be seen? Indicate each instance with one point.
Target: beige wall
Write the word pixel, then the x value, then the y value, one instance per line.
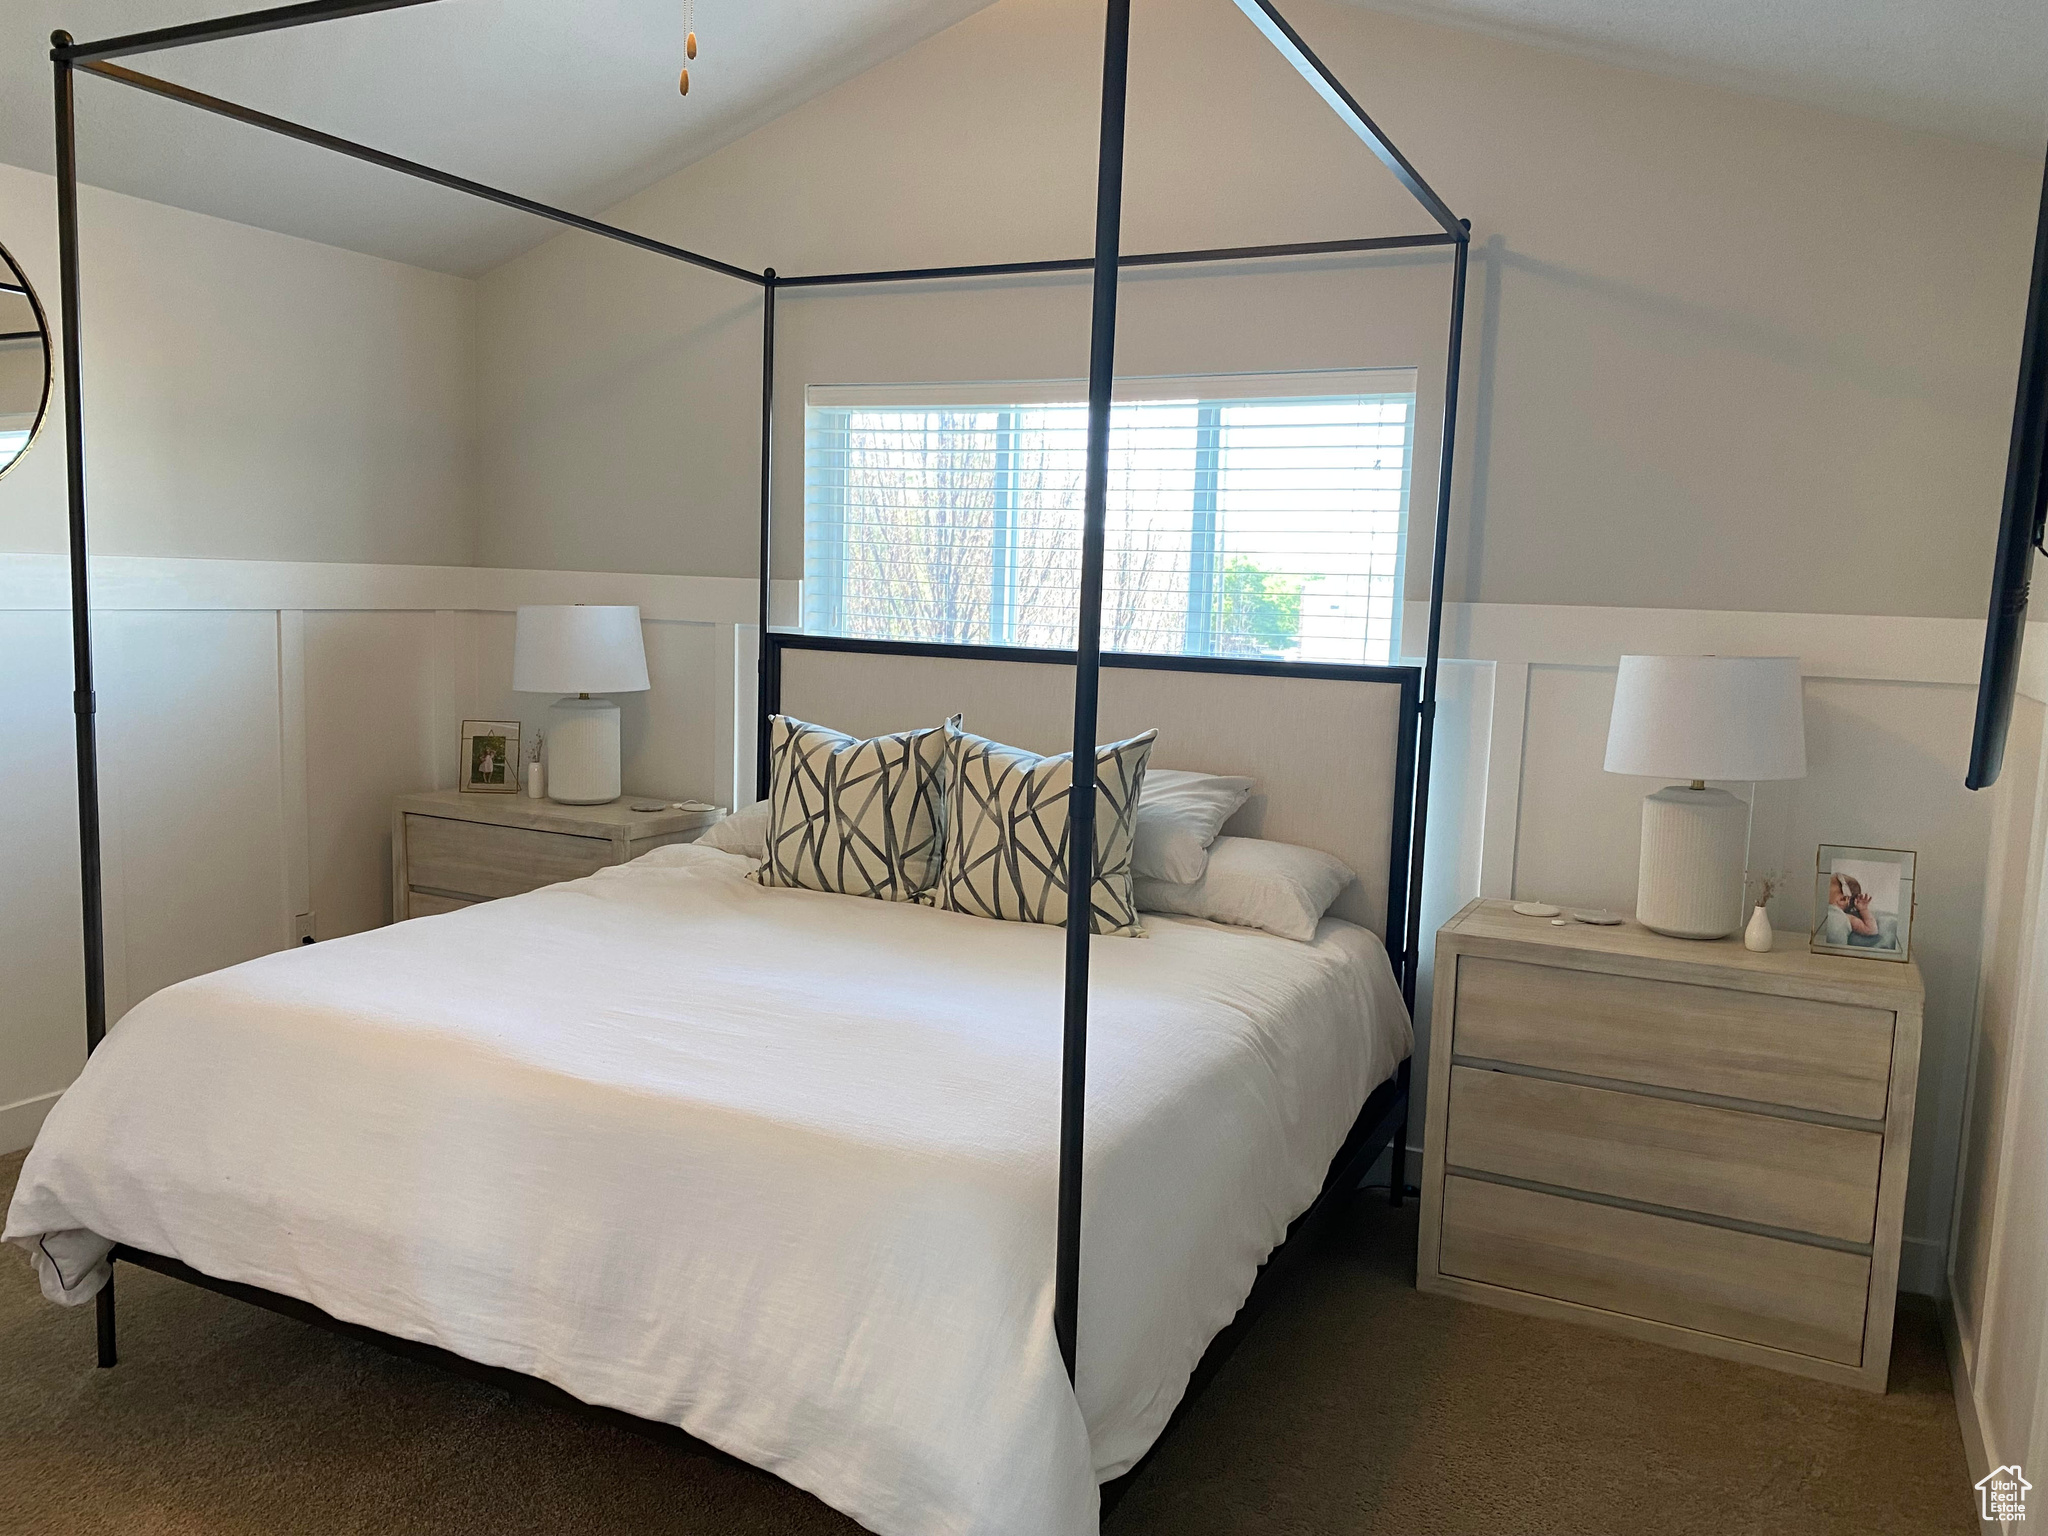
pixel 249 395
pixel 1724 353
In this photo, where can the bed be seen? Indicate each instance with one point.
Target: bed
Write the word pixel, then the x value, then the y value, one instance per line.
pixel 778 1167
pixel 610 1172
pixel 774 1166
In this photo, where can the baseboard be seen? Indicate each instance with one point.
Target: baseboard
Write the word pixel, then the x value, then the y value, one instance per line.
pixel 20 1121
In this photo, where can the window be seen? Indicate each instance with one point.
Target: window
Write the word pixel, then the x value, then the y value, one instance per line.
pixel 1257 517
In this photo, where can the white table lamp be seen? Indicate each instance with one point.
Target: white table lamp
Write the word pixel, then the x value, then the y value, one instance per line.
pixel 1697 718
pixel 580 652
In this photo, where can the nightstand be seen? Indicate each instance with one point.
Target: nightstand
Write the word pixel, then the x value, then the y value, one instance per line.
pixel 450 850
pixel 1680 1141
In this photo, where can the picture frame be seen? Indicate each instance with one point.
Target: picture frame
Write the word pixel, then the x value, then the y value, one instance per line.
pixel 489 764
pixel 1863 904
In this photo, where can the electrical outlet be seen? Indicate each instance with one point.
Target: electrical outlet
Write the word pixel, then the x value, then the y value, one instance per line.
pixel 302 928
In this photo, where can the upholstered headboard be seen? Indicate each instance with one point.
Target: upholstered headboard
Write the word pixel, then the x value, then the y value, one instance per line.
pixel 1332 748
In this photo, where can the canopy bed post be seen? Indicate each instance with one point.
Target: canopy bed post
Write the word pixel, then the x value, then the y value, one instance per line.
pixel 1439 549
pixel 1411 927
pixel 761 689
pixel 83 705
pixel 66 57
pixel 82 702
pixel 1109 204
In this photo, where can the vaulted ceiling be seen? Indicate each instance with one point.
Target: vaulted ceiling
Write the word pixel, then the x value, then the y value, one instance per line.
pixel 1970 69
pixel 575 104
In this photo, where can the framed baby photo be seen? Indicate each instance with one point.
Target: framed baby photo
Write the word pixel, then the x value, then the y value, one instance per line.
pixel 1863 902
pixel 490 757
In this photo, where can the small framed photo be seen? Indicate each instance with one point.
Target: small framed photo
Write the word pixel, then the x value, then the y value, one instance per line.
pixel 1863 902
pixel 490 757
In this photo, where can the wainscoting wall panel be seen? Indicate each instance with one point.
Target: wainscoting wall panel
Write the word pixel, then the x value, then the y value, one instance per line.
pixel 191 792
pixel 42 995
pixel 1997 1312
pixel 1577 829
pixel 256 719
pixel 1889 707
pixel 371 688
pixel 260 716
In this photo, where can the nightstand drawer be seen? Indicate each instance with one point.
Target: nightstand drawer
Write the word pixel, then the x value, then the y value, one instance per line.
pixel 1737 1285
pixel 1767 1049
pixel 1721 1162
pixel 432 903
pixel 475 859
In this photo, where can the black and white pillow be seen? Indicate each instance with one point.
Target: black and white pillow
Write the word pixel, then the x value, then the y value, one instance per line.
pixel 1006 832
pixel 857 818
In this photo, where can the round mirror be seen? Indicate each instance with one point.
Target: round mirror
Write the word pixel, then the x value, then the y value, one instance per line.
pixel 24 362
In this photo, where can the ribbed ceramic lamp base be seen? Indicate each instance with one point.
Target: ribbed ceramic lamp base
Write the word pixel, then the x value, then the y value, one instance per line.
pixel 1689 883
pixel 583 752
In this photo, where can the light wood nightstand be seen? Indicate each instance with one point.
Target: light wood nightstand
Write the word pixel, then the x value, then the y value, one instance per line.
pixel 452 850
pixel 1681 1141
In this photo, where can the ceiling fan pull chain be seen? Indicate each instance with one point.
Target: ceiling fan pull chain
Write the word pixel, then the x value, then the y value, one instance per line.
pixel 689 40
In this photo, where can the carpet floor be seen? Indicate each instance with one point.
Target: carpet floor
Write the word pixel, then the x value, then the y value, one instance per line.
pixel 1357 1405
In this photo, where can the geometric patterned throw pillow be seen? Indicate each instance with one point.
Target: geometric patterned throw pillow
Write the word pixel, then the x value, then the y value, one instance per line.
pixel 857 818
pixel 1006 832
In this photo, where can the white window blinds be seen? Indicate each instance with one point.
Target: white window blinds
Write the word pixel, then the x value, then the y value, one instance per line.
pixel 1257 517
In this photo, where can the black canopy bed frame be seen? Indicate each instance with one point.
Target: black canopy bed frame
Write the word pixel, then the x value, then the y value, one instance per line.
pixel 1381 1125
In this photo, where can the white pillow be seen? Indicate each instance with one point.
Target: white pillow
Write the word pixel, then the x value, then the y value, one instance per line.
pixel 744 832
pixel 1179 815
pixel 1252 883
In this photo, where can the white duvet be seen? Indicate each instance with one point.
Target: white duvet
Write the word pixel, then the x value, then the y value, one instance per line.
pixel 774 1166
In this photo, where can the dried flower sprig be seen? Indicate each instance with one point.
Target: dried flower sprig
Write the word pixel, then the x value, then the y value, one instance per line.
pixel 1766 883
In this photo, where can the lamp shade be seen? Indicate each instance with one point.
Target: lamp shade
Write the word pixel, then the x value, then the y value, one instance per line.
pixel 579 649
pixel 1708 717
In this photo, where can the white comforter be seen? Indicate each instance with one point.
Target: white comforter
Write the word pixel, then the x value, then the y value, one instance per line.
pixel 774 1166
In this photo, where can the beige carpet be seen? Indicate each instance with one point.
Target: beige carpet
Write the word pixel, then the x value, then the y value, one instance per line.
pixel 1356 1406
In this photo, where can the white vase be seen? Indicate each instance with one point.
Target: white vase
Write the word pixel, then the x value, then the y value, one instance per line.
pixel 1758 935
pixel 536 781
